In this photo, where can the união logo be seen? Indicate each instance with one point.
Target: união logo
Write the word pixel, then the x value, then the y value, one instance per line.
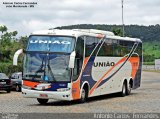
pixel 103 64
pixel 50 42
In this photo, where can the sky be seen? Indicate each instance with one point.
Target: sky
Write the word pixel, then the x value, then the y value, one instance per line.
pixel 53 13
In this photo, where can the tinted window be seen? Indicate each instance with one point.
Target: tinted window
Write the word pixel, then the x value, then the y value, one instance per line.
pixel 139 49
pixel 79 57
pixel 125 47
pixel 116 48
pixel 91 43
pixel 106 49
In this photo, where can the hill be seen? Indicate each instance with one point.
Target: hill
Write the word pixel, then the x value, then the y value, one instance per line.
pixel 150 35
pixel 145 33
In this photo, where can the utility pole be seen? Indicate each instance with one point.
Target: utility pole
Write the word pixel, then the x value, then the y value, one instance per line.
pixel 122 18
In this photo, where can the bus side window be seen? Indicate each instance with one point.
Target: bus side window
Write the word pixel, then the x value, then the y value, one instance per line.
pixel 90 45
pixel 79 58
pixel 106 49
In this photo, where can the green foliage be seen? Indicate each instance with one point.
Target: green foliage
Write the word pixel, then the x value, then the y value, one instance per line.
pixel 148 63
pixel 8 46
pixel 8 68
pixel 117 31
pixel 151 51
pixel 3 28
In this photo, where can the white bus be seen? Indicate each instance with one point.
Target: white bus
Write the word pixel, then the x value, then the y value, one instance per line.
pixel 77 64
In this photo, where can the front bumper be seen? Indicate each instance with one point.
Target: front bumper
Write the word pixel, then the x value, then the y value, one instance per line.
pixel 66 95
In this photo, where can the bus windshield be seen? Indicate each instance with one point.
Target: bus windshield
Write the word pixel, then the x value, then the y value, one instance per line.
pixel 46 67
pixel 51 43
pixel 47 58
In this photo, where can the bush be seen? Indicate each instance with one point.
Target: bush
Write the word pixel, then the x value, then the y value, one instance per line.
pixel 8 68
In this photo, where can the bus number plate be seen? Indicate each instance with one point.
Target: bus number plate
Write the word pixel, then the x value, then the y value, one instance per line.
pixel 43 95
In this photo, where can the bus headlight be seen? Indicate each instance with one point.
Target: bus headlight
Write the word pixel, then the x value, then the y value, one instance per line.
pixel 26 87
pixel 63 89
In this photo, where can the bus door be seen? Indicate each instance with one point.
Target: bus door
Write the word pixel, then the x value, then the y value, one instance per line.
pixel 79 58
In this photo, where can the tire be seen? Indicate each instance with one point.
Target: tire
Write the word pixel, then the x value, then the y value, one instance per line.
pixel 42 101
pixel 124 90
pixel 84 95
pixel 18 88
pixel 8 91
pixel 129 88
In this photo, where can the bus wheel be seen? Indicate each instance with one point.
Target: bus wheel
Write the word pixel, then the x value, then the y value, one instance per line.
pixel 124 90
pixel 84 95
pixel 129 88
pixel 42 101
pixel 18 88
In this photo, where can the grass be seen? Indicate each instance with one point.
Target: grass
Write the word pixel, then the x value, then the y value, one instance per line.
pixel 152 48
pixel 148 63
pixel 157 71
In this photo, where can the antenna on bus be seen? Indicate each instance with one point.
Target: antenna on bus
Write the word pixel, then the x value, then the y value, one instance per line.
pixel 122 18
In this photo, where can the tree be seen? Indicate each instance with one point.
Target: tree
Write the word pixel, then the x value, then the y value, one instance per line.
pixel 6 43
pixel 23 41
pixel 3 29
pixel 117 31
pixel 8 46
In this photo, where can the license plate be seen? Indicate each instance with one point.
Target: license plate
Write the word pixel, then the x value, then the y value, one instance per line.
pixel 2 82
pixel 43 95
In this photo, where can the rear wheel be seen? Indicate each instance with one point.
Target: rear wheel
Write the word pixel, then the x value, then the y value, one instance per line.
pixel 84 95
pixel 124 90
pixel 42 101
pixel 129 88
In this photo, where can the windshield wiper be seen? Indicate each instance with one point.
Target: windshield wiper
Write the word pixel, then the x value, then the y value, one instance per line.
pixel 41 67
pixel 49 69
pixel 39 70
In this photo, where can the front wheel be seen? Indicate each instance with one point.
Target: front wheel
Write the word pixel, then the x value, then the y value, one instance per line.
pixel 18 88
pixel 84 95
pixel 42 101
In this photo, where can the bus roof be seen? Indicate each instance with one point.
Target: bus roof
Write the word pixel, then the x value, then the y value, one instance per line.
pixel 80 32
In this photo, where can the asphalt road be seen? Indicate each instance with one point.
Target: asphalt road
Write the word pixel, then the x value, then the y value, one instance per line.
pixel 145 99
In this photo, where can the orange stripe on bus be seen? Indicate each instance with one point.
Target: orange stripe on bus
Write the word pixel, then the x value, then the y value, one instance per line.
pixel 135 64
pixel 85 62
pixel 30 84
pixel 76 90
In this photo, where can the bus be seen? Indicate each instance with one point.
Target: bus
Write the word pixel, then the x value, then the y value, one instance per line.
pixel 76 64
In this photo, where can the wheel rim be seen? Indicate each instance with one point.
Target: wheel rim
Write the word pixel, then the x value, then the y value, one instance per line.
pixel 124 89
pixel 129 88
pixel 17 88
pixel 83 94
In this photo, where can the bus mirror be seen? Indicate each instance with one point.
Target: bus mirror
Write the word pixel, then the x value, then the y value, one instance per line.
pixel 72 59
pixel 15 58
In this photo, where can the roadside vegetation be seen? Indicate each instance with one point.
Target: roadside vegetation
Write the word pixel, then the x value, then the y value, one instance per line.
pixel 151 51
pixel 9 44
